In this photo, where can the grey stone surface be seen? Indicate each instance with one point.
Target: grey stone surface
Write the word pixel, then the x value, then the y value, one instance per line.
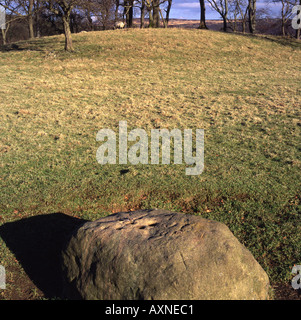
pixel 157 254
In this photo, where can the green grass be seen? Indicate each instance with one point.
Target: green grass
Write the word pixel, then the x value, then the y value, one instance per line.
pixel 244 91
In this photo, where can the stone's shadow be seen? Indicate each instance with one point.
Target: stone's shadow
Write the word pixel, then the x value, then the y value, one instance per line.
pixel 37 243
pixel 124 171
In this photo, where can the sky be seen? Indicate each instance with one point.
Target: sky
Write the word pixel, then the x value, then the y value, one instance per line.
pixel 190 9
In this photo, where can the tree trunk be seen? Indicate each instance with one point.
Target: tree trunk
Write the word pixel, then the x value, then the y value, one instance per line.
pixel 30 19
pixel 68 36
pixel 30 24
pixel 151 19
pixel 243 18
pixel 162 18
pixel 3 36
pixel 126 12
pixel 235 20
pixel 252 15
pixel 37 15
pixel 283 19
pixel 72 24
pixel 129 13
pixel 116 11
pixel 203 17
pixel 225 16
pixel 142 14
pixel 130 16
pixel 224 23
pixel 168 11
pixel 283 28
pixel 156 14
pixel 243 26
pixel 4 33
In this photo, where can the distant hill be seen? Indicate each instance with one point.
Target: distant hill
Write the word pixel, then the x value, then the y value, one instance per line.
pixel 264 26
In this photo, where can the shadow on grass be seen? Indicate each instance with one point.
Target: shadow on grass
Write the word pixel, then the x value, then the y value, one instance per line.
pixel 36 45
pixel 39 45
pixel 284 41
pixel 37 243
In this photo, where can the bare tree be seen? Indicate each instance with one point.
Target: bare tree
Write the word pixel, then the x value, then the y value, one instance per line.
pixel 103 12
pixel 169 4
pixel 4 8
pixel 128 12
pixel 37 7
pixel 88 11
pixel 63 9
pixel 28 7
pixel 154 12
pixel 286 12
pixel 117 4
pixel 221 6
pixel 233 15
pixel 203 15
pixel 238 14
pixel 30 18
pixel 252 15
pixel 107 12
pixel 142 13
pixel 12 12
pixel 243 11
pixel 149 7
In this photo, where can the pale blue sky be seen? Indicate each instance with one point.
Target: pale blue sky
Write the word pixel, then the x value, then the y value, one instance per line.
pixel 190 9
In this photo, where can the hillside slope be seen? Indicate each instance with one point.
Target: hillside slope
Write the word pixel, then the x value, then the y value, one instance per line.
pixel 243 90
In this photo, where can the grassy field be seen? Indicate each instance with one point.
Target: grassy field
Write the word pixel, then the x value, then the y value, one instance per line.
pixel 243 90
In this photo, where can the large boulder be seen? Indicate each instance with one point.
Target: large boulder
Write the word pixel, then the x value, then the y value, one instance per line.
pixel 157 254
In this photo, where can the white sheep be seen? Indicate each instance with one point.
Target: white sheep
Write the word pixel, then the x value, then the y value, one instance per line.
pixel 119 25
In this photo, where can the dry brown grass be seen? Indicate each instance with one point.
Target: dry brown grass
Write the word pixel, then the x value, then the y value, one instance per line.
pixel 244 91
